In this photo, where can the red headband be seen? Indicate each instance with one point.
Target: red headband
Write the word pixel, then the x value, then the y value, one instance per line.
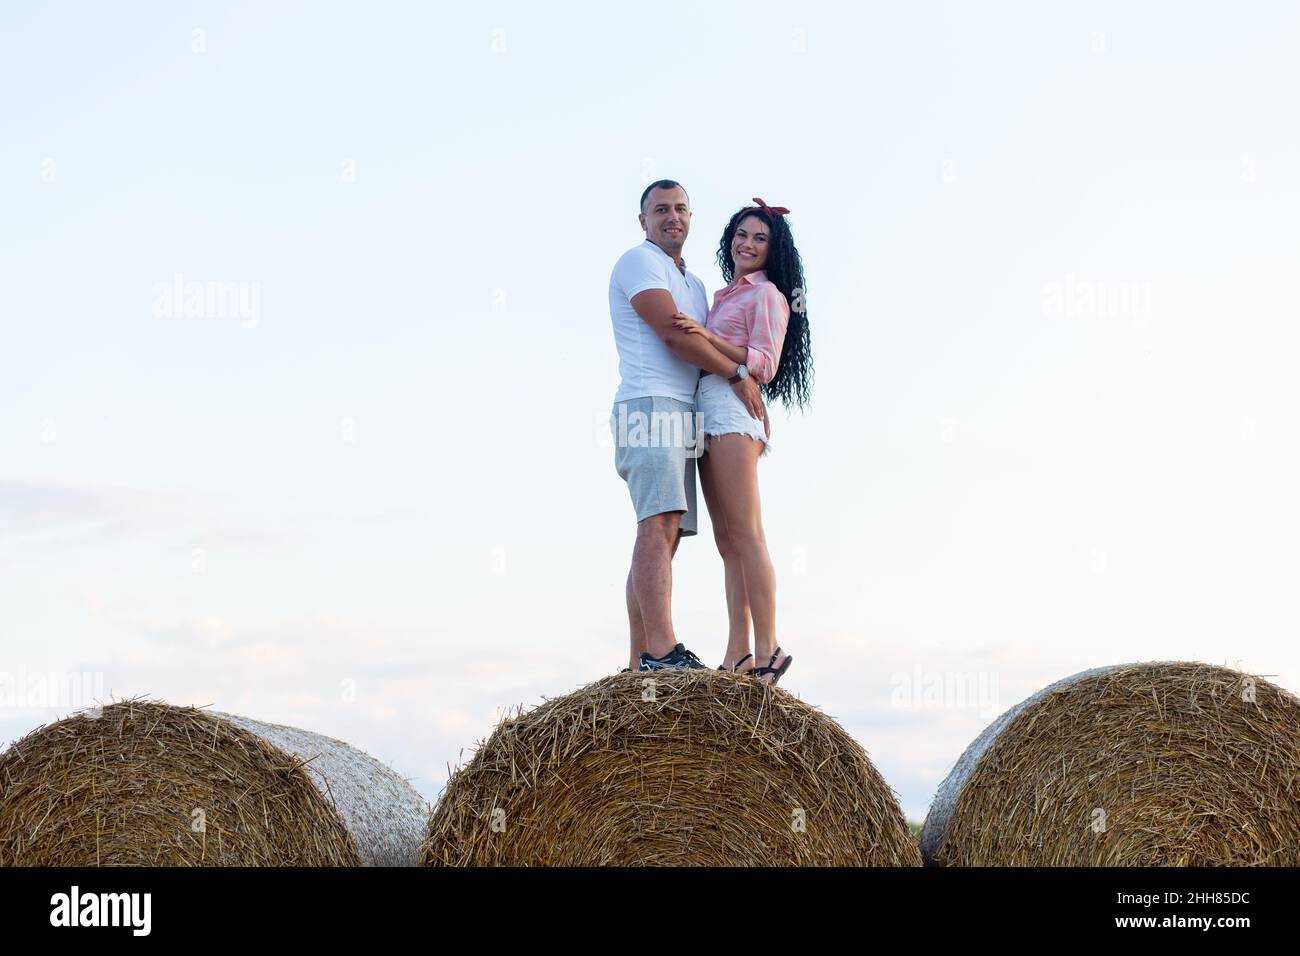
pixel 772 211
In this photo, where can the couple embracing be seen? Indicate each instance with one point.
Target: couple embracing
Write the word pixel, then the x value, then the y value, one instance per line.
pixel 712 367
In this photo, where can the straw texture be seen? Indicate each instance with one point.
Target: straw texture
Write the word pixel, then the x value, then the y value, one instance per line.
pixel 149 784
pixel 1163 763
pixel 697 768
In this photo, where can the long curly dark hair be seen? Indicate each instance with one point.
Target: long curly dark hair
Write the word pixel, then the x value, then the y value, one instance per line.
pixel 792 384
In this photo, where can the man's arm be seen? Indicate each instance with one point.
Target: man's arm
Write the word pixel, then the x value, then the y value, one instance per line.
pixel 737 353
pixel 657 308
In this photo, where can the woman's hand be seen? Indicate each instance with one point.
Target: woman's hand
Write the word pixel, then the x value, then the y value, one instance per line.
pixel 684 322
pixel 748 392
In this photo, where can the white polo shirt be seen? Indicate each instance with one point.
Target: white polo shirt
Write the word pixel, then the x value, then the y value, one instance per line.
pixel 645 365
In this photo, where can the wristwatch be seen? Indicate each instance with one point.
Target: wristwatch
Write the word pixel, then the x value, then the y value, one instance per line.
pixel 742 373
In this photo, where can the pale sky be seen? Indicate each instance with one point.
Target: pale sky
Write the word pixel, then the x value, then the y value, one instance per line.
pixel 381 504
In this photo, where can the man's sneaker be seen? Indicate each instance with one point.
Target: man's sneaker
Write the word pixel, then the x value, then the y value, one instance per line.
pixel 679 658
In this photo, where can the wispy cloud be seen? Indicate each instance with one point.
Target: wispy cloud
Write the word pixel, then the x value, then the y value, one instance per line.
pixel 76 514
pixel 416 698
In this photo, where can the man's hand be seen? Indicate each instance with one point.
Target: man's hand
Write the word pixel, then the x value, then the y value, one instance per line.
pixel 747 390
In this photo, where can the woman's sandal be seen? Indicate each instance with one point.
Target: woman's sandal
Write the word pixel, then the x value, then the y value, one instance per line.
pixel 737 664
pixel 776 672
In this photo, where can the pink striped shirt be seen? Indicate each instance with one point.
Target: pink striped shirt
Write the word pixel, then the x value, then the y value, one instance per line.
pixel 753 314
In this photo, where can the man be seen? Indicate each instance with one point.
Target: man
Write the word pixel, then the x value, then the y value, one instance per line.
pixel 658 369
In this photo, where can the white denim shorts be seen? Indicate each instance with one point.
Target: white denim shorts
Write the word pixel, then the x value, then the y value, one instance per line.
pixel 723 413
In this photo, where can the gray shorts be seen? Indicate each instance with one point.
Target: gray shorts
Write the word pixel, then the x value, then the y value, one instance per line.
pixel 656 442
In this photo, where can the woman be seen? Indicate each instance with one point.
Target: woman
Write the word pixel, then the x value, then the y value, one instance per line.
pixel 759 321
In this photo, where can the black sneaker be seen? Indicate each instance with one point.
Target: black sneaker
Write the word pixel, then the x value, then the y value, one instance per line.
pixel 679 658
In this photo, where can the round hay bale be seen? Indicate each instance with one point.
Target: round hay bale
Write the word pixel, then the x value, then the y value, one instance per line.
pixel 145 783
pixel 1150 764
pixel 696 768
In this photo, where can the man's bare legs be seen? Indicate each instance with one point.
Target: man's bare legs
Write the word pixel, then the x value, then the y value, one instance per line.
pixel 650 586
pixel 635 625
pixel 738 615
pixel 733 468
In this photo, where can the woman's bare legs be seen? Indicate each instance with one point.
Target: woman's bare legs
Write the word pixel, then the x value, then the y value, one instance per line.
pixel 733 468
pixel 737 600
